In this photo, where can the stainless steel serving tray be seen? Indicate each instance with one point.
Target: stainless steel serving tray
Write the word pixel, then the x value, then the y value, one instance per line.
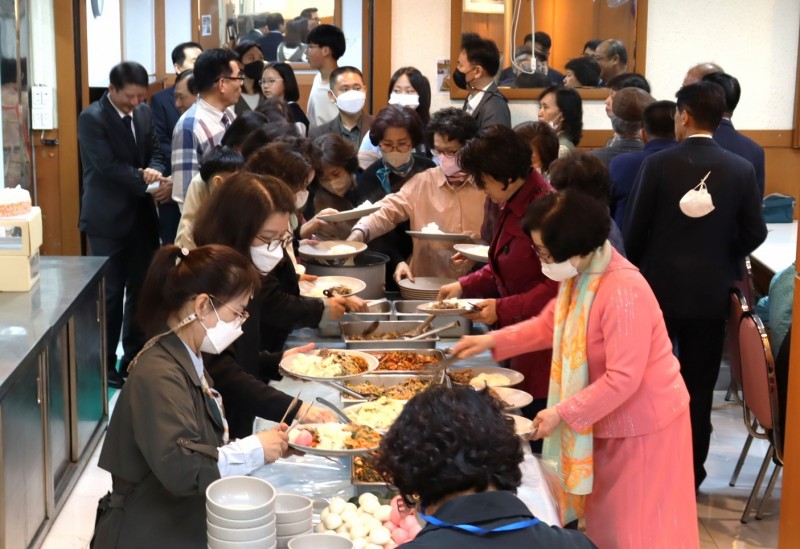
pixel 379 311
pixel 435 353
pixel 406 309
pixel 382 380
pixel 353 328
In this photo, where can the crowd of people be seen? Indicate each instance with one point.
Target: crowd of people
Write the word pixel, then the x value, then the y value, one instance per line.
pixel 606 285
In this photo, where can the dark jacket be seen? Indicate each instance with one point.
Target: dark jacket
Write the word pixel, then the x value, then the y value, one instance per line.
pixel 299 115
pixel 113 187
pixel 514 276
pixel 738 143
pixel 161 450
pixel 623 170
pixel 691 262
pixel 364 126
pixel 618 146
pixel 492 109
pixel 320 198
pixel 490 510
pixel 165 116
pixel 269 43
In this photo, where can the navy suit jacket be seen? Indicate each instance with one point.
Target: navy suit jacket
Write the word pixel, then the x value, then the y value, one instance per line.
pixel 623 170
pixel 113 187
pixel 165 116
pixel 269 45
pixel 731 140
pixel 691 263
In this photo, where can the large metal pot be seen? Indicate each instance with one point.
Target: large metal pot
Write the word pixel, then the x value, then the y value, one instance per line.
pixel 368 266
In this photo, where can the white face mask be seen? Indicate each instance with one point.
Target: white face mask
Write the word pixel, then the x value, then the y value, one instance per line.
pixel 559 271
pixel 300 199
pixel 404 100
pixel 351 102
pixel 697 202
pixel 265 259
pixel 397 159
pixel 221 336
pixel 339 185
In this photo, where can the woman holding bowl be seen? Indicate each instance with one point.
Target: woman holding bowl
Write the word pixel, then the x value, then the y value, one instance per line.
pixel 617 422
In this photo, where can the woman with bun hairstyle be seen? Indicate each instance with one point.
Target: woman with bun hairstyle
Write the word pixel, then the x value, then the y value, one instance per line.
pixel 168 437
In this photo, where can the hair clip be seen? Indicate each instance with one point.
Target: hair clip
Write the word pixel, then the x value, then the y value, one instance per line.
pixel 184 252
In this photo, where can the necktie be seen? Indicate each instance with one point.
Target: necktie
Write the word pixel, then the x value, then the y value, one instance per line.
pixel 129 122
pixel 226 121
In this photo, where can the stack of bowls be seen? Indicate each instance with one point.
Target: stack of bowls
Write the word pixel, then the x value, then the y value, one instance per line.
pixel 241 514
pixel 293 516
pixel 320 541
pixel 423 288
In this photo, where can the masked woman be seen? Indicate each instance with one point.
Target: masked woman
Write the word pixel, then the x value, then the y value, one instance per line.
pixel 168 437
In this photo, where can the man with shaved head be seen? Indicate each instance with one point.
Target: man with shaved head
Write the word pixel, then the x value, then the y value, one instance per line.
pixel 612 57
pixel 696 73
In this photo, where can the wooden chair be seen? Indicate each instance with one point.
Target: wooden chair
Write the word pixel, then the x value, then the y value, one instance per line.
pixel 761 405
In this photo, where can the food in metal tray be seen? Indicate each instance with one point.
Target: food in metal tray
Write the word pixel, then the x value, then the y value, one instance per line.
pixel 364 471
pixel 378 414
pixel 335 436
pixel 404 361
pixel 375 337
pixel 329 363
pixel 402 391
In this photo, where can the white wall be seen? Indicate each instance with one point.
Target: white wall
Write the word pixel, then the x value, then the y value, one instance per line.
pixel 178 28
pixel 103 41
pixel 352 27
pixel 139 33
pixel 754 41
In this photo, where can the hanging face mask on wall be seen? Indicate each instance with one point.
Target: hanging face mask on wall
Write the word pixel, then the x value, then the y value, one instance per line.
pixel 351 102
pixel 559 271
pixel 265 259
pixel 221 336
pixel 404 100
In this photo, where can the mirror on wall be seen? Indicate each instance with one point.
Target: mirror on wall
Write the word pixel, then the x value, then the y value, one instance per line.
pixel 569 23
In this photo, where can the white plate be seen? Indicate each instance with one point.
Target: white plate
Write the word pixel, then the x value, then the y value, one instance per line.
pixel 427 308
pixel 288 362
pixel 425 284
pixel 324 452
pixel 522 425
pixel 322 250
pixel 514 377
pixel 348 215
pixel 445 237
pixel 515 398
pixel 315 288
pixel 475 252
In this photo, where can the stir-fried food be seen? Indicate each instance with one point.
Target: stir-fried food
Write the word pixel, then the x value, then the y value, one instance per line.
pixel 446 305
pixel 363 470
pixel 402 391
pixel 404 361
pixel 340 289
pixel 335 436
pixel 375 337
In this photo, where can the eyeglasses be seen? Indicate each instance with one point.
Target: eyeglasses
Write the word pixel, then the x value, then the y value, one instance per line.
pixel 392 147
pixel 275 243
pixel 241 316
pixel 544 258
pixel 446 154
pixel 240 78
pixel 269 81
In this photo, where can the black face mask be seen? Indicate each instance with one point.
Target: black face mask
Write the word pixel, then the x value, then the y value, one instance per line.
pixel 460 78
pixel 254 70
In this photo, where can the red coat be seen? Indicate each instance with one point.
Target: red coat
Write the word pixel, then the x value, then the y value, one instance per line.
pixel 514 276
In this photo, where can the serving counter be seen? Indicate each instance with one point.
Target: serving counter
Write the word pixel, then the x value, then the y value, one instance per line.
pixel 53 405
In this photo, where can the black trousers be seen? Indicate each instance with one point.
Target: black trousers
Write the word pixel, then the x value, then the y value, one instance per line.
pixel 129 259
pixel 698 343
pixel 169 217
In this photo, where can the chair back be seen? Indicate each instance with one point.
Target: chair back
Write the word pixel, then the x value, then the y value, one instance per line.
pixel 745 285
pixel 759 385
pixel 738 306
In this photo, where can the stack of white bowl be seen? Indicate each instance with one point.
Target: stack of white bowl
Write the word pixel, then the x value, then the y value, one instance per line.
pixel 293 515
pixel 241 514
pixel 320 541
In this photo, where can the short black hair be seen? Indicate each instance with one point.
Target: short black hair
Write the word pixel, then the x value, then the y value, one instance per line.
pixel 657 120
pixel 570 104
pixel 481 51
pixel 308 12
pixel 179 51
pixel 336 73
pixel 705 101
pixel 291 91
pixel 128 72
pixel 541 138
pixel 433 449
pixel 585 69
pixel 528 38
pixel 454 124
pixel 274 21
pixel 187 75
pixel 543 39
pixel 395 116
pixel 629 80
pixel 269 133
pixel 244 46
pixel 244 124
pixel 730 85
pixel 591 44
pixel 616 47
pixel 220 159
pixel 421 85
pixel 531 80
pixel 260 20
pixel 499 152
pixel 328 36
pixel 582 172
pixel 211 65
pixel 571 223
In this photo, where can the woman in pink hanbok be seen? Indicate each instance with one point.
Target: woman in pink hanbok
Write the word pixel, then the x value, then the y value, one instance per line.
pixel 617 422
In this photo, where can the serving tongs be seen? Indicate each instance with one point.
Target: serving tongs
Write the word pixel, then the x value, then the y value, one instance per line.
pixel 435 331
pixel 348 391
pixel 338 411
pixel 439 370
pixel 419 329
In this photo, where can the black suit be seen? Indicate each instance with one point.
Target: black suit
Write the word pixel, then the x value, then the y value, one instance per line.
pixel 731 140
pixel 492 109
pixel 253 34
pixel 165 116
pixel 691 263
pixel 269 45
pixel 117 214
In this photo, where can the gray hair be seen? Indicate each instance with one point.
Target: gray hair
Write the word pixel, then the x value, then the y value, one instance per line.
pixel 625 127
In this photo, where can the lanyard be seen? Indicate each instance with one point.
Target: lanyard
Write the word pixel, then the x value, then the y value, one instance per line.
pixel 477 530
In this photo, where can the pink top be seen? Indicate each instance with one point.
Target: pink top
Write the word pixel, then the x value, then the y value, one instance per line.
pixel 635 385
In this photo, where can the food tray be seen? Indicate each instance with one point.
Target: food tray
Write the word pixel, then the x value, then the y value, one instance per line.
pixel 405 309
pixel 350 328
pixel 379 311
pixel 357 482
pixel 287 363
pixel 380 380
pixel 439 355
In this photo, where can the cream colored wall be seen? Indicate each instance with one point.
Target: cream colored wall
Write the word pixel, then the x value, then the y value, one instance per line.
pixel 755 41
pixel 292 8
